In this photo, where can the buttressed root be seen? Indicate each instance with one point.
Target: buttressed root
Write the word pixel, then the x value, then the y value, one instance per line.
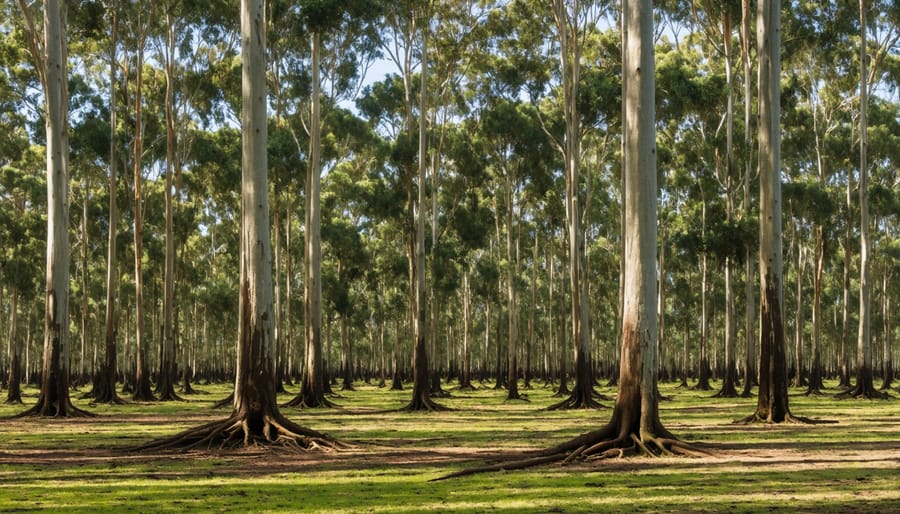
pixel 238 432
pixel 599 448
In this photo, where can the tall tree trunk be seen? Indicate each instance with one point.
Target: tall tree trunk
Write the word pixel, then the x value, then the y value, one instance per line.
pixel 312 385
pixel 82 370
pixel 729 380
pixel 466 376
pixel 815 364
pixel 105 386
pixel 14 379
pixel 750 319
pixel 703 361
pixel 568 35
pixel 168 371
pixel 512 378
pixel 532 313
pixel 799 379
pixel 635 425
pixel 772 401
pixel 51 64
pixel 142 390
pixel 421 393
pixel 255 418
pixel 887 364
pixel 864 387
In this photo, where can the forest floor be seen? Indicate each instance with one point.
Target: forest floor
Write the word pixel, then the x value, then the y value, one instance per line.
pixel 84 465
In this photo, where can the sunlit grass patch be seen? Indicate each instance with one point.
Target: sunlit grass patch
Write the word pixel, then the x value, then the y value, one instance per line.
pixel 84 465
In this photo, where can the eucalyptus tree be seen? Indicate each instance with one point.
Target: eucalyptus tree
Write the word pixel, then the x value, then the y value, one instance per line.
pixel 570 24
pixel 255 417
pixel 635 426
pixel 105 380
pixel 342 43
pixel 407 30
pixel 459 43
pixel 141 24
pixel 868 71
pixel 772 400
pixel 750 363
pixel 49 52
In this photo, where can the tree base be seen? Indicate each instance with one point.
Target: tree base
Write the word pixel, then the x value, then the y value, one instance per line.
pixel 788 419
pixel 190 390
pixel 241 432
pixel 562 390
pixel 726 392
pixel 143 394
pixel 420 403
pixel 578 401
pixel 516 396
pixel 865 392
pixel 54 410
pixel 170 396
pixel 702 385
pixel 602 397
pixel 302 401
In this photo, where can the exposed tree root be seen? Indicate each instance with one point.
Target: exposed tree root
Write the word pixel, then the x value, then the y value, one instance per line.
pixel 814 392
pixel 600 396
pixel 240 432
pixel 723 393
pixel 518 398
pixel 424 404
pixel 224 402
pixel 301 402
pixel 170 396
pixel 788 418
pixel 55 410
pixel 577 402
pixel 594 446
pixel 16 400
pixel 441 393
pixel 862 392
pixel 115 400
pixel 193 391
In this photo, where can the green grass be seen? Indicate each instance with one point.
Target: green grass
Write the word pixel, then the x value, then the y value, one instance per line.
pixel 80 465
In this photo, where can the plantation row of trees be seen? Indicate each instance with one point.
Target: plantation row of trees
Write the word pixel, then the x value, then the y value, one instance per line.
pixel 460 217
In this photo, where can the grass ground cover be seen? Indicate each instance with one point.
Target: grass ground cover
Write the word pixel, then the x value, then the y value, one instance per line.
pixel 82 465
